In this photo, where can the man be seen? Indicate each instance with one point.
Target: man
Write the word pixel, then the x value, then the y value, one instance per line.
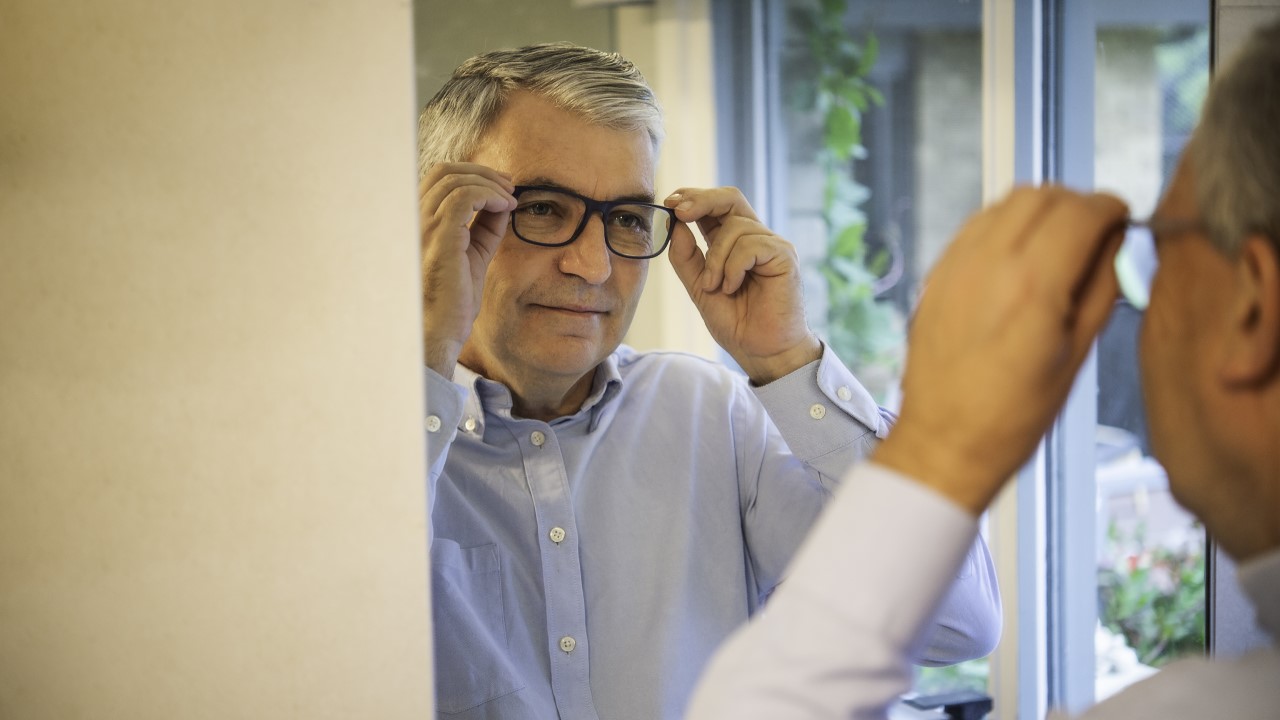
pixel 601 518
pixel 1006 320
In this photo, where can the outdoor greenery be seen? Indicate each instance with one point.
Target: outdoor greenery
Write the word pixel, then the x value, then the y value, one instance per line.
pixel 865 333
pixel 1154 597
pixel 971 675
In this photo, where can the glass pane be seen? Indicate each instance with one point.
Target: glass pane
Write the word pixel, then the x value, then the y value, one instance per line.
pixel 1150 80
pixel 882 126
pixel 884 151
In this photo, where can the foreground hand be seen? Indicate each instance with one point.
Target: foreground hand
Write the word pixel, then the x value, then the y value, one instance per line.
pixel 1006 319
pixel 465 209
pixel 746 287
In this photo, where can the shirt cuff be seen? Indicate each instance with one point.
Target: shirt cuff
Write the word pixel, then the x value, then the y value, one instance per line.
pixel 821 407
pixel 444 404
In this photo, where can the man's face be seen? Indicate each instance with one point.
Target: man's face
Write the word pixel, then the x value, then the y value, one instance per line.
pixel 550 315
pixel 1181 342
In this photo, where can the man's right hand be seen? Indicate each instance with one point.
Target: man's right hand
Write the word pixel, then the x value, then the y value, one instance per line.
pixel 465 209
pixel 1006 319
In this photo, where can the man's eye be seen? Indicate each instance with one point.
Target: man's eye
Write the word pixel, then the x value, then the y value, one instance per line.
pixel 630 221
pixel 537 208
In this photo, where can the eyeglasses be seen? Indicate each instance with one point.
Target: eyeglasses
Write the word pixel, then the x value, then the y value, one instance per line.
pixel 1137 261
pixel 554 217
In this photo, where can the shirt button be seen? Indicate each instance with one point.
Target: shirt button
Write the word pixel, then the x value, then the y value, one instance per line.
pixel 556 535
pixel 433 423
pixel 818 411
pixel 469 425
pixel 567 644
pixel 537 438
pixel 843 393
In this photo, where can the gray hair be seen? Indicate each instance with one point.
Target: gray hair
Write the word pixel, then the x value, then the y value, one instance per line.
pixel 1236 148
pixel 605 88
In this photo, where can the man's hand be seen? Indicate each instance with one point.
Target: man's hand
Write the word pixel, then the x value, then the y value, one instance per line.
pixel 747 285
pixel 1006 319
pixel 465 209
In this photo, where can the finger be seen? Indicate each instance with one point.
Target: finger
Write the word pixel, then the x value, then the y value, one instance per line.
pixel 761 255
pixel 1002 228
pixel 454 202
pixel 692 204
pixel 488 228
pixel 686 258
pixel 1065 245
pixel 1078 226
pixel 438 171
pixel 1098 296
pixel 720 244
pixel 434 195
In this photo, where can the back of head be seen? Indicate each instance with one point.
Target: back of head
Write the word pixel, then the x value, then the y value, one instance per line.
pixel 1236 150
pixel 605 88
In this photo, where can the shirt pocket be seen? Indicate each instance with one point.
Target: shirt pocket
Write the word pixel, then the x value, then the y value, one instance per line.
pixel 473 665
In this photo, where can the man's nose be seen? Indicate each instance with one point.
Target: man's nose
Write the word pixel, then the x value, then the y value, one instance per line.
pixel 588 257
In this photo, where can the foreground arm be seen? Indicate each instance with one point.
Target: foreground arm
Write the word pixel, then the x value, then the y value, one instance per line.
pixel 1008 316
pixel 836 638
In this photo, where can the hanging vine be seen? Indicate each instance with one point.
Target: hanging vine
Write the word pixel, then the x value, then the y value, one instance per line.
pixel 864 332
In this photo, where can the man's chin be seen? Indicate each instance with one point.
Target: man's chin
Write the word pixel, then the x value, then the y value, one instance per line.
pixel 569 356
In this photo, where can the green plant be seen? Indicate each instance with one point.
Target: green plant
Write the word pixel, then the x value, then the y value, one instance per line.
pixel 970 675
pixel 1154 597
pixel 864 332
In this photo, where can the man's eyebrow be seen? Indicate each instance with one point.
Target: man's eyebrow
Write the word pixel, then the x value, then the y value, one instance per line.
pixel 644 197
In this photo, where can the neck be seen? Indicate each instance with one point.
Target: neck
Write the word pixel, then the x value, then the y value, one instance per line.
pixel 546 403
pixel 536 395
pixel 1245 519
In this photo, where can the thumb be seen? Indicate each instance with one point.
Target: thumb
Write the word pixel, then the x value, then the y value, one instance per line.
pixel 686 257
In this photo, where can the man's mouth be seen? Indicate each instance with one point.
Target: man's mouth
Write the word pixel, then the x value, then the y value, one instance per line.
pixel 576 309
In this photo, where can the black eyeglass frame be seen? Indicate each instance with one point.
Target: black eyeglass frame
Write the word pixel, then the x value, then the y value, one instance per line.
pixel 593 207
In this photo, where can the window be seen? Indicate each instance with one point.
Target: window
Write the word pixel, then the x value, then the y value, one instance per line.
pixel 870 112
pixel 1107 582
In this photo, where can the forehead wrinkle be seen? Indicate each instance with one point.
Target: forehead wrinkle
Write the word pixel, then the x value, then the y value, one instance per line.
pixel 645 196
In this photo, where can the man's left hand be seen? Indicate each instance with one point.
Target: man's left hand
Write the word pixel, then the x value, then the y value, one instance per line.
pixel 746 286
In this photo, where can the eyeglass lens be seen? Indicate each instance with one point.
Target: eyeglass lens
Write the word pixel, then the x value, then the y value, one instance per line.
pixel 547 217
pixel 1136 265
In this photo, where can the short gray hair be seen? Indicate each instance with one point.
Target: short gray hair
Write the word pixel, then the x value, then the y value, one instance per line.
pixel 605 88
pixel 1236 148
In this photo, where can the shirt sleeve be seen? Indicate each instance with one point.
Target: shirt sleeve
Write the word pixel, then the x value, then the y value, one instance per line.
pixel 825 415
pixel 837 637
pixel 444 403
pixel 830 422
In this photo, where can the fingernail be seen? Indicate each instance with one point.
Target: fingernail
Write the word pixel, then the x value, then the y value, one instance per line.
pixel 684 205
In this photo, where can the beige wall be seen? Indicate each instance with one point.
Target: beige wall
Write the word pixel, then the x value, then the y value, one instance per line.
pixel 211 481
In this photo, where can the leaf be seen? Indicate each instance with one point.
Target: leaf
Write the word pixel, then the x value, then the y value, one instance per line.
pixel 848 244
pixel 841 131
pixel 870 51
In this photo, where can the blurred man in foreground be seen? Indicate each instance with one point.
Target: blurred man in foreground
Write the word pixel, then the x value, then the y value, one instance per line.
pixel 1008 316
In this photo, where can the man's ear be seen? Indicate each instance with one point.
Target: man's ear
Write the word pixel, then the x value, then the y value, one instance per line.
pixel 1253 343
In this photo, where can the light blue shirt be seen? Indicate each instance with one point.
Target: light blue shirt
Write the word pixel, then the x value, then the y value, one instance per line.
pixel 589 567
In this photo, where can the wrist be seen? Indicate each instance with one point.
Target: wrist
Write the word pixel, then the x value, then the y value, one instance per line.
pixel 764 370
pixel 441 356
pixel 928 458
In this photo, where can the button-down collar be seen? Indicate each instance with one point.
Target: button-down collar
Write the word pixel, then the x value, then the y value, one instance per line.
pixel 485 395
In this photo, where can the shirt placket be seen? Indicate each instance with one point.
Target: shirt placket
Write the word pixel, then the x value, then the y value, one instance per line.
pixel 557 539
